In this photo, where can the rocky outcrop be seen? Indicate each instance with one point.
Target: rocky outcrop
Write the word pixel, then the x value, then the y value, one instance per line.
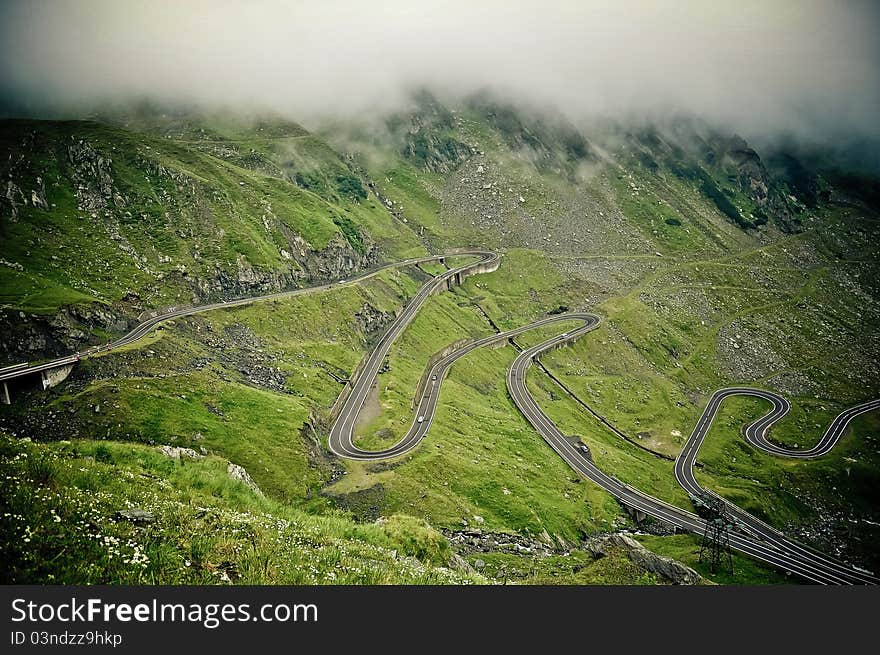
pixel 475 540
pixel 13 199
pixel 433 151
pixel 307 266
pixel 28 336
pixel 427 136
pixel 723 165
pixel 134 515
pixel 755 181
pixel 92 174
pixel 337 259
pixel 178 453
pixel 38 195
pixel 549 142
pixel 667 568
pixel 238 473
pixel 753 177
pixel 369 320
pixel 245 280
pixel 757 184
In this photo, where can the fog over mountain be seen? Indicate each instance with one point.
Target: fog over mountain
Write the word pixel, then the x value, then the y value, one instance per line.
pixel 805 67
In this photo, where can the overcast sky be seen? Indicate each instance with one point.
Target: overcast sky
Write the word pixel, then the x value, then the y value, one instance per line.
pixel 760 66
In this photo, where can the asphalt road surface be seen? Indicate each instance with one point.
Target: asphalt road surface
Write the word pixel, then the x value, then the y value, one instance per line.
pixel 756 435
pixel 341 439
pixel 751 535
pixel 145 327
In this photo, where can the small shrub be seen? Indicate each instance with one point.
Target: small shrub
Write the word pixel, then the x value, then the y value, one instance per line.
pixel 103 454
pixel 350 187
pixel 351 233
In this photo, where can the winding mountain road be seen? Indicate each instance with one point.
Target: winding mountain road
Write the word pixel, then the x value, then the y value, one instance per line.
pixel 341 440
pixel 757 538
pixel 149 324
pixel 756 435
pixel 752 536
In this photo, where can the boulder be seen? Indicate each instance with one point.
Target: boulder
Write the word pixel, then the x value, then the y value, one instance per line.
pixel 236 472
pixel 135 515
pixel 460 564
pixel 177 453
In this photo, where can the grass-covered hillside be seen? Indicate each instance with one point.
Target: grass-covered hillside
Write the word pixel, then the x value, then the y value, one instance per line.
pixel 101 222
pixel 90 512
pixel 708 265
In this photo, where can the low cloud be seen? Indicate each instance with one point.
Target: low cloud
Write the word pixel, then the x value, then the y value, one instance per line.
pixel 799 66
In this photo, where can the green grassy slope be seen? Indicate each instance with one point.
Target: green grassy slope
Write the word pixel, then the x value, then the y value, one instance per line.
pixel 100 215
pixel 691 300
pixel 61 505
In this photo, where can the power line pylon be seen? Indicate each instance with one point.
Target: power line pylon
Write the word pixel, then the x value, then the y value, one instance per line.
pixel 715 547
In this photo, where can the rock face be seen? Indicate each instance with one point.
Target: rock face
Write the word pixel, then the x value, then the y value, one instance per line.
pixel 337 259
pixel 307 266
pixel 476 541
pixel 666 567
pixel 38 195
pixel 236 472
pixel 755 181
pixel 92 173
pixel 370 320
pixel 26 336
pixel 175 452
pixel 13 199
pixel 725 165
pixel 244 280
pixel 428 144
